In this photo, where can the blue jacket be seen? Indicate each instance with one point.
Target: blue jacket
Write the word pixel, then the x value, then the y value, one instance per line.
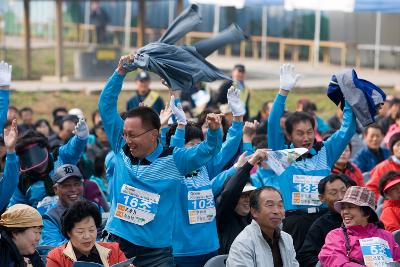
pixel 68 154
pixel 264 177
pixel 144 192
pixel 299 182
pixel 366 160
pixel 196 238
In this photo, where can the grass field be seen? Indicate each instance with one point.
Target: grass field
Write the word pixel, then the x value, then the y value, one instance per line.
pixel 44 102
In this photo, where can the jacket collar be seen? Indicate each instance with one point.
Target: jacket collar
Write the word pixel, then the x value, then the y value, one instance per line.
pixel 359 229
pixel 103 252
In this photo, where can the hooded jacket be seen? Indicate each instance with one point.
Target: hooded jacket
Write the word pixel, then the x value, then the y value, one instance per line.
pixel 333 253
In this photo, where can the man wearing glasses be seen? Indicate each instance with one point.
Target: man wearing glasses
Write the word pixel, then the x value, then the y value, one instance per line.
pixel 146 177
pixel 144 94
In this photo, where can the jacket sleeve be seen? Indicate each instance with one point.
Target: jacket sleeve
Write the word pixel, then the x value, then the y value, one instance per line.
pixel 113 123
pixel 217 183
pixel 276 138
pixel 178 139
pixel 292 254
pixel 190 159
pixel 241 255
pixel 333 252
pixel 18 198
pixel 163 137
pixel 308 253
pixel 51 234
pixel 376 174
pixel 53 260
pixel 4 100
pixel 9 180
pixel 228 150
pixel 71 151
pixel 230 195
pixel 336 144
pixel 390 219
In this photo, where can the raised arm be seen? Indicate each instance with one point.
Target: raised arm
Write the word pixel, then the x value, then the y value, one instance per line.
pixel 108 100
pixel 276 138
pixel 190 159
pixel 341 138
pixel 71 152
pixel 5 81
pixel 9 179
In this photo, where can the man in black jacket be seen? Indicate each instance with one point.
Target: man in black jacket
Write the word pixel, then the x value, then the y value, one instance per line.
pixel 233 204
pixel 330 189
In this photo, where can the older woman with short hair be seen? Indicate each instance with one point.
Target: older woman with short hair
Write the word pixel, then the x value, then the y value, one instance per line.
pixel 79 224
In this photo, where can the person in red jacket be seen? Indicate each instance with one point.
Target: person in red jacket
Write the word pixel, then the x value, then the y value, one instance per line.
pixel 389 187
pixel 344 166
pixel 79 224
pixel 391 164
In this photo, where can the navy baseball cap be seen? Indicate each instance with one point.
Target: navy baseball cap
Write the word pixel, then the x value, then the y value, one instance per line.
pixel 142 76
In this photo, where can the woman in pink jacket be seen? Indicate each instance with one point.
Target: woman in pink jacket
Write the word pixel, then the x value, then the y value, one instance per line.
pixel 342 246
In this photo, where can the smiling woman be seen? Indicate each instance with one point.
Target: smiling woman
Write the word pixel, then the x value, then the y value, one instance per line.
pixel 79 224
pixel 361 225
pixel 20 230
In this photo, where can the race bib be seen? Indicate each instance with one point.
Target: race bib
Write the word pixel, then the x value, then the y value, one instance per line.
pixel 376 252
pixel 305 190
pixel 136 206
pixel 201 207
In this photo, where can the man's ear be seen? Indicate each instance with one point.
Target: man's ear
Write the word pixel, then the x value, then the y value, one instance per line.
pixel 55 188
pixel 321 198
pixel 253 213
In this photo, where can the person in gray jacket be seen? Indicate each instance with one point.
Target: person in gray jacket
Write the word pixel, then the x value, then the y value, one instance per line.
pixel 262 243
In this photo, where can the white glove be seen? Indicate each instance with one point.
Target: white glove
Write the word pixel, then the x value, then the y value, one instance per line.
pixel 81 129
pixel 234 102
pixel 5 74
pixel 288 79
pixel 177 111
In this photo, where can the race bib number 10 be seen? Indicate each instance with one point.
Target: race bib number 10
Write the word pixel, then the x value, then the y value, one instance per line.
pixel 201 207
pixel 376 252
pixel 305 190
pixel 136 206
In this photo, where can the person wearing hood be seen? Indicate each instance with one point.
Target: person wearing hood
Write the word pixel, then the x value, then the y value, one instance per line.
pixel 20 230
pixel 343 245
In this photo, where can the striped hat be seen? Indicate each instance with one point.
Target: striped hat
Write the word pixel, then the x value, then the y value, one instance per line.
pixel 359 196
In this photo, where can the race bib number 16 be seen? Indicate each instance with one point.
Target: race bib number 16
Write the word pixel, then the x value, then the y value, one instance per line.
pixel 136 206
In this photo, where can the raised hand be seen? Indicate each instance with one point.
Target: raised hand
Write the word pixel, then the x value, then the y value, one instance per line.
pixel 125 61
pixel 259 156
pixel 249 131
pixel 214 121
pixel 234 102
pixel 165 114
pixel 81 129
pixel 177 111
pixel 288 78
pixel 5 74
pixel 10 136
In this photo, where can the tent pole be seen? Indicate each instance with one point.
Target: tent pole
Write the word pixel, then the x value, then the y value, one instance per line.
pixel 264 33
pixel 317 33
pixel 377 40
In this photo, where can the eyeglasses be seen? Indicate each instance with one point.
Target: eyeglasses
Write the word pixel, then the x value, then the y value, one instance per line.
pixel 131 136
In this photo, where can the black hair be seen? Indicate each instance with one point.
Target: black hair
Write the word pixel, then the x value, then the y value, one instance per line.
pixel 265 105
pixel 24 109
pixel 31 137
pixel 374 126
pixel 309 107
pixel 78 211
pixel 387 177
pixel 394 101
pixel 255 196
pixel 13 108
pixel 192 131
pixel 148 116
pixel 72 118
pixel 296 117
pixel 99 163
pixel 260 141
pixel 94 113
pixel 333 177
pixel 58 109
pixel 372 216
pixel 40 121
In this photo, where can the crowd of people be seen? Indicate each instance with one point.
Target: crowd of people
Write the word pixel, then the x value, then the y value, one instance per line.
pixel 179 183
